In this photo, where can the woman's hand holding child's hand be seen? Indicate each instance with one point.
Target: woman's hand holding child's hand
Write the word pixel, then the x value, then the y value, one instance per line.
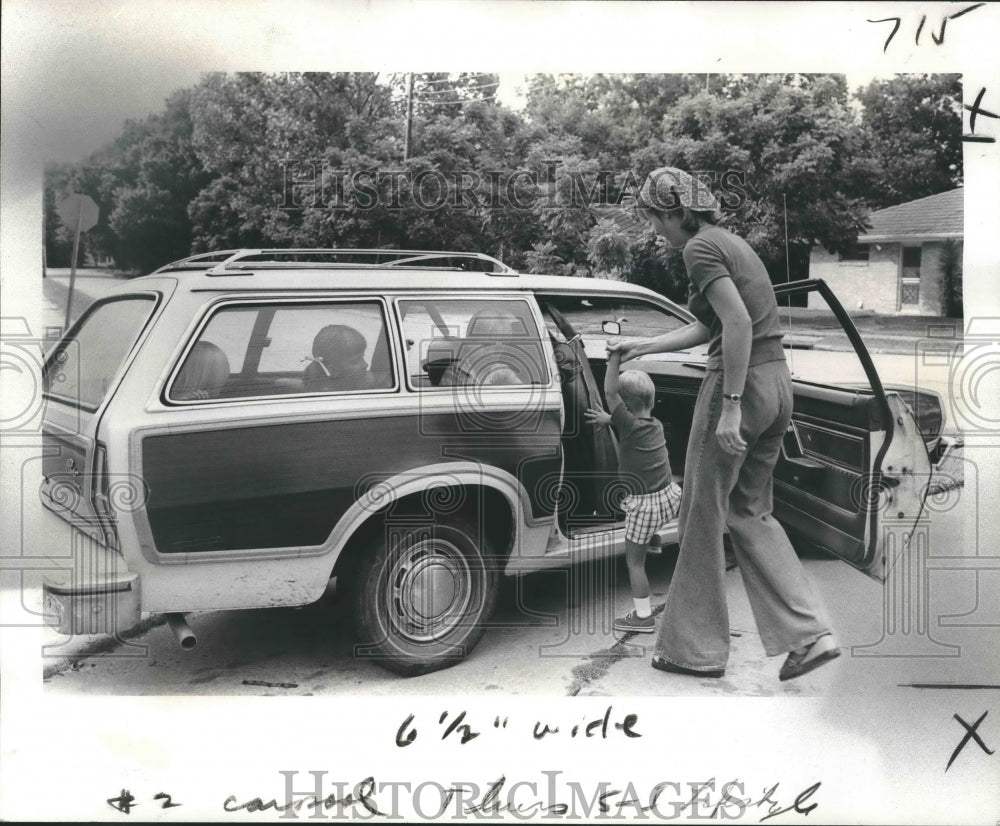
pixel 626 349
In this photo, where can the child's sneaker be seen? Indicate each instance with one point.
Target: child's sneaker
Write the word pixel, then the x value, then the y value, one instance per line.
pixel 633 622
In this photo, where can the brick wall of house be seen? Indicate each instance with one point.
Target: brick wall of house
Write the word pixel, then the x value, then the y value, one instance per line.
pixel 875 283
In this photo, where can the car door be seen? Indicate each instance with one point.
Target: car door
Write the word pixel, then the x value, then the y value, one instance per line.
pixel 577 319
pixel 81 375
pixel 853 470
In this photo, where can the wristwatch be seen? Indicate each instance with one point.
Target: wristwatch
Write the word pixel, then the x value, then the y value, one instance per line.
pixel 733 397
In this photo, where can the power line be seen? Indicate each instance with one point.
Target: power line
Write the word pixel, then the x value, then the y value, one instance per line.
pixel 451 80
pixel 539 88
pixel 453 102
pixel 457 89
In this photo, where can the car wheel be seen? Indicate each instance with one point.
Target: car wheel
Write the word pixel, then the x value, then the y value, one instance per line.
pixel 422 598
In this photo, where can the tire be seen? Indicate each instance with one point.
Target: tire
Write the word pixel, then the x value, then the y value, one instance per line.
pixel 423 596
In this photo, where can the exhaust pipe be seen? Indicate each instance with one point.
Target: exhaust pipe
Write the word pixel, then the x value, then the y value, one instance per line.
pixel 185 636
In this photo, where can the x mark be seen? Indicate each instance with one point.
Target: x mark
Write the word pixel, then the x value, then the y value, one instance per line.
pixel 970 734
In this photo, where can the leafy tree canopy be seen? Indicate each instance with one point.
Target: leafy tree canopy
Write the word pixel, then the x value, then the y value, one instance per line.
pixel 317 159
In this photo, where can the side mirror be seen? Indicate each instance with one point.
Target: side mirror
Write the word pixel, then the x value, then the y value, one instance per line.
pixel 611 328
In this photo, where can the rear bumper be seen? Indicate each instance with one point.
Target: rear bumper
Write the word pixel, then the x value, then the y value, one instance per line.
pixel 107 608
pixel 89 589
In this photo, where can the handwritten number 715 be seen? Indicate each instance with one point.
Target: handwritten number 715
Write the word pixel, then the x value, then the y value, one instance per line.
pixel 937 38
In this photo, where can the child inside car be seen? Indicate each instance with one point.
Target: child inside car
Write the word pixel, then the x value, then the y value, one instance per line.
pixel 204 374
pixel 338 361
pixel 645 467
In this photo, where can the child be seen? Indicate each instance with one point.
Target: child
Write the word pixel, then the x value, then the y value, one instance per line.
pixel 338 360
pixel 645 466
pixel 204 374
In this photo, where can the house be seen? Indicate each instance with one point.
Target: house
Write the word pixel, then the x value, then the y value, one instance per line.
pixel 895 267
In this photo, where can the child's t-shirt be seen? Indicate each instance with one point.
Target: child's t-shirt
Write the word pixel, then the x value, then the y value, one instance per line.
pixel 643 450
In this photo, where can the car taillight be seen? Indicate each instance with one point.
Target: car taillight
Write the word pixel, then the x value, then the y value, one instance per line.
pixel 101 495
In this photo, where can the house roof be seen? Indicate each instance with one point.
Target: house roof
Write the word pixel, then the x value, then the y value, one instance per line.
pixel 936 216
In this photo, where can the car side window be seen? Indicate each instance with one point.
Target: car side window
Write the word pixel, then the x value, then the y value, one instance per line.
pixel 471 342
pixel 265 349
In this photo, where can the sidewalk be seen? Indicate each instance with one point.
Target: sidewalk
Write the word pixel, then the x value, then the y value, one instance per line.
pixel 898 334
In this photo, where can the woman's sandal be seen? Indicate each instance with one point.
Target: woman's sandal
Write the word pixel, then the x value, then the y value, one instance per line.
pixel 805 660
pixel 665 665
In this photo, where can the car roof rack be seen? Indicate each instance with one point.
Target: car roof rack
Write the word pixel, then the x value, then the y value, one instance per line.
pixel 242 261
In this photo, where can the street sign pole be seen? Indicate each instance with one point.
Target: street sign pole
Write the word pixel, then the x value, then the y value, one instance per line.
pixel 72 267
pixel 81 211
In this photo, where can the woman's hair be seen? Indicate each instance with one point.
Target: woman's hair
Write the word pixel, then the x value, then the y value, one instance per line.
pixel 691 219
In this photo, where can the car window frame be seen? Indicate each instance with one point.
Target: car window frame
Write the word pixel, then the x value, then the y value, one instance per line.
pixel 275 301
pixel 475 295
pixel 156 299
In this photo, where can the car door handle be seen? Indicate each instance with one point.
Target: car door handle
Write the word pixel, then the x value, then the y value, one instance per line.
pixel 805 472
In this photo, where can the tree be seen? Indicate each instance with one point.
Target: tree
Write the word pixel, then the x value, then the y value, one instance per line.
pixel 58 239
pixel 542 258
pixel 253 159
pixel 608 248
pixel 913 132
pixel 611 115
pixel 776 147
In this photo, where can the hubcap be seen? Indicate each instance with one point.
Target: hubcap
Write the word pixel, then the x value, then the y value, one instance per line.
pixel 429 590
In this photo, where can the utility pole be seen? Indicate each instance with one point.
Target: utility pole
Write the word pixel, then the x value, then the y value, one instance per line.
pixel 409 116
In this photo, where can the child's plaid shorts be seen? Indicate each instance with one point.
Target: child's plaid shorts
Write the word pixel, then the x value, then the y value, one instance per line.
pixel 645 513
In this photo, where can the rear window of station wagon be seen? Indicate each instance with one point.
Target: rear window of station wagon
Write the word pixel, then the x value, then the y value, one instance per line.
pixel 85 364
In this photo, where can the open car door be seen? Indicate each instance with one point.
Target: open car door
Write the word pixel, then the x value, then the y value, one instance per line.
pixel 854 468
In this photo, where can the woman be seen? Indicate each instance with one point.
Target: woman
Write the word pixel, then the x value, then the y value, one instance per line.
pixel 740 418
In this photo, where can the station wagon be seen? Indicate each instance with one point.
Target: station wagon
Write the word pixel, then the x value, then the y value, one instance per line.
pixel 237 428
